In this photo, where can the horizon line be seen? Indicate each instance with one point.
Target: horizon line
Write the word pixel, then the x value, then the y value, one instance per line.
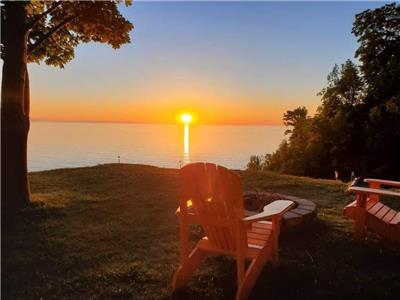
pixel 152 123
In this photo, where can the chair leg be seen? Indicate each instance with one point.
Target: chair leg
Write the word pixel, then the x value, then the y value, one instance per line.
pixel 252 273
pixel 360 218
pixel 275 256
pixel 186 270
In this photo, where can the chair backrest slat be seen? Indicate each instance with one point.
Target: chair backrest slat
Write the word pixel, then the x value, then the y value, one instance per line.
pixel 215 192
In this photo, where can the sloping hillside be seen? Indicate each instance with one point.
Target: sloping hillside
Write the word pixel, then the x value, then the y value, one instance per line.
pixel 109 232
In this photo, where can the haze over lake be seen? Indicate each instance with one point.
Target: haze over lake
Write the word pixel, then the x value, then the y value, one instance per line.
pixel 55 145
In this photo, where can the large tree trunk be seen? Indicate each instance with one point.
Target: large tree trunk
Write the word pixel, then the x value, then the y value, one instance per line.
pixel 14 110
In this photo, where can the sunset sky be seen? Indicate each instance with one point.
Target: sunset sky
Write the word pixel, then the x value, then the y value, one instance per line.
pixel 226 63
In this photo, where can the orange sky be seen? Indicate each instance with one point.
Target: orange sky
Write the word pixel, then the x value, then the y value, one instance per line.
pixel 203 112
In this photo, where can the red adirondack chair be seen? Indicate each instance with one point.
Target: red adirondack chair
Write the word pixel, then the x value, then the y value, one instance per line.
pixel 369 213
pixel 212 197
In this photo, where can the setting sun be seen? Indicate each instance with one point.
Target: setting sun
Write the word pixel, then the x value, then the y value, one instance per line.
pixel 186 118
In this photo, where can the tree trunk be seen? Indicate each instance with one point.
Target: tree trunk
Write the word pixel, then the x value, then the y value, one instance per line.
pixel 14 110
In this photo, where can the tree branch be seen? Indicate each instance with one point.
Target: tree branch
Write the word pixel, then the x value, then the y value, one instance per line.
pixel 44 37
pixel 46 12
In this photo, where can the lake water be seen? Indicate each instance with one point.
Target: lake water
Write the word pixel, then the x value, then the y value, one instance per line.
pixel 64 145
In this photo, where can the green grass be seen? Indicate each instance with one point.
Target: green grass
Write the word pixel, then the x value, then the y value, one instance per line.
pixel 109 232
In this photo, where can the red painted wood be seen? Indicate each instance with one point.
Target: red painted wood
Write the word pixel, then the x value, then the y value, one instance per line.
pixel 396 219
pixel 389 216
pixel 375 208
pixel 217 205
pixel 382 212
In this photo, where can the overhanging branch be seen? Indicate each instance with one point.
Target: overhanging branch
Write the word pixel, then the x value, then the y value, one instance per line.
pixel 46 12
pixel 44 37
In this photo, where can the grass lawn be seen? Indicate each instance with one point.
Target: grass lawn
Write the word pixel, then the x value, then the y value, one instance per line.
pixel 109 232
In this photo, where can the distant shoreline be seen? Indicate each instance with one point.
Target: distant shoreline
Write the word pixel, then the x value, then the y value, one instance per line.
pixel 105 165
pixel 117 164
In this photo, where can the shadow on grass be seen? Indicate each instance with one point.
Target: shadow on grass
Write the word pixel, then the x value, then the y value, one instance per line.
pixel 318 261
pixel 32 251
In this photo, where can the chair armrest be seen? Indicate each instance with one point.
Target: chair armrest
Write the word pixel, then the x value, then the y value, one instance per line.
pixel 382 182
pixel 276 208
pixel 363 190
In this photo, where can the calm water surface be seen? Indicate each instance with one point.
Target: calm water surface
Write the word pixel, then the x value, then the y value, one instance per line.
pixel 64 145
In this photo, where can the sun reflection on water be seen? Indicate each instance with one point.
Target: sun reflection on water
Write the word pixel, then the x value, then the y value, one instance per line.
pixel 186 152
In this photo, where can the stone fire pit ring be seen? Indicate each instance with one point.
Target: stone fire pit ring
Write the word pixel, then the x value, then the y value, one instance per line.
pixel 303 213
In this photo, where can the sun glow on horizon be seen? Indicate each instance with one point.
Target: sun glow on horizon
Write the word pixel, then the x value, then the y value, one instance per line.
pixel 186 118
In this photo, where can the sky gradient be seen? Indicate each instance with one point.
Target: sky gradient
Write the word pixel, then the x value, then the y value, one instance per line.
pixel 226 63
